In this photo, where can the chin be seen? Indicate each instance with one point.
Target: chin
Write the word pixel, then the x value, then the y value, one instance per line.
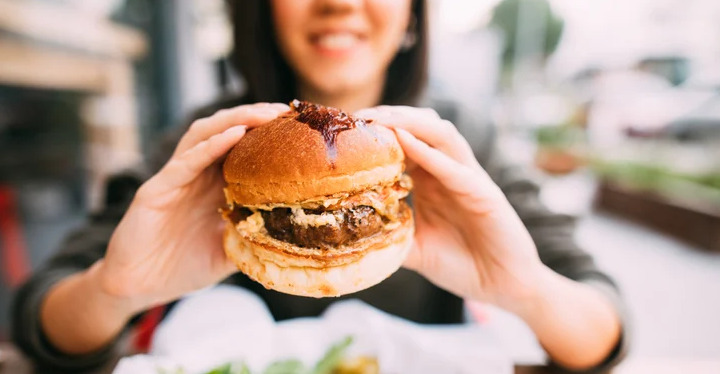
pixel 337 80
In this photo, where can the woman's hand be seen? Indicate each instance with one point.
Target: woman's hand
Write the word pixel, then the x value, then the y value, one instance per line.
pixel 468 239
pixel 169 242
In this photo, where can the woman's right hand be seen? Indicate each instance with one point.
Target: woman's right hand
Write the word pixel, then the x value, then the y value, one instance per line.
pixel 169 241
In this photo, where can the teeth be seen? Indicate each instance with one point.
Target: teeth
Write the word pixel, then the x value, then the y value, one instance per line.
pixel 337 41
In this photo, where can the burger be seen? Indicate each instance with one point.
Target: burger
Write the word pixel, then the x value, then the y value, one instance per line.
pixel 316 203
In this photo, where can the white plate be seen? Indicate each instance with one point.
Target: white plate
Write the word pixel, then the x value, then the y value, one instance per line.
pixel 227 323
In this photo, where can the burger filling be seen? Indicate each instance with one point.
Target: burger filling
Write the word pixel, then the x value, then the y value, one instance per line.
pixel 342 221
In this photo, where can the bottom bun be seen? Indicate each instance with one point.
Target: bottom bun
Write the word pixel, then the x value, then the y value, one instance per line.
pixel 371 267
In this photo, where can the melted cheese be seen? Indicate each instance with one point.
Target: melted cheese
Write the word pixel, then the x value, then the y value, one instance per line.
pixel 254 223
pixel 299 217
pixel 384 201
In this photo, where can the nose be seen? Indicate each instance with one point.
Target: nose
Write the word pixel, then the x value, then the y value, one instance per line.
pixel 338 6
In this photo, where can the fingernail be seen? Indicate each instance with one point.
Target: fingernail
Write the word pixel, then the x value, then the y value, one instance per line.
pixel 236 129
pixel 273 107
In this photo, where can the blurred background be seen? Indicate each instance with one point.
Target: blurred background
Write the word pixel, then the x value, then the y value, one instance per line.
pixel 613 106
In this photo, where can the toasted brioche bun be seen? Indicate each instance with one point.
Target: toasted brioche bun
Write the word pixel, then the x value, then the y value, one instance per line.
pixel 319 273
pixel 286 161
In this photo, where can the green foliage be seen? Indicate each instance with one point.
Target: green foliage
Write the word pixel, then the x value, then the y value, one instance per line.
pixel 562 136
pixel 505 18
pixel 652 176
pixel 709 180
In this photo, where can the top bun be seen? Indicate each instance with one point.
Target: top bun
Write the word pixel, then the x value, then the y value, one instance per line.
pixel 309 153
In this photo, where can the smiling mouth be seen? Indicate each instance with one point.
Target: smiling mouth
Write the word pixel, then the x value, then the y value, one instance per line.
pixel 336 41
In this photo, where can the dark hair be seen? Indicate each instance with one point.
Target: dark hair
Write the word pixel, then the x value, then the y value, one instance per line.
pixel 268 77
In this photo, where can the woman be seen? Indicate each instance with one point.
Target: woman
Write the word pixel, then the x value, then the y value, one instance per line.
pixel 478 238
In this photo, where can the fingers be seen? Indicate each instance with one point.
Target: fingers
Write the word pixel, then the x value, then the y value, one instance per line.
pixel 206 141
pixel 426 125
pixel 440 165
pixel 247 115
pixel 453 175
pixel 184 168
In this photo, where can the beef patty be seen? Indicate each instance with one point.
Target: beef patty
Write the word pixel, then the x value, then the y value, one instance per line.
pixel 351 225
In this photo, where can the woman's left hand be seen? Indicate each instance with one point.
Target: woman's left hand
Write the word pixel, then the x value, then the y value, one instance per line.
pixel 468 239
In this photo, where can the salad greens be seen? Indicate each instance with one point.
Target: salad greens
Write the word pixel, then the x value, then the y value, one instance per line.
pixel 332 357
pixel 291 366
pixel 326 365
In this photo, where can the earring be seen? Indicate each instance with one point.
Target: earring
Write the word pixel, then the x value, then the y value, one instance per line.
pixel 411 36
